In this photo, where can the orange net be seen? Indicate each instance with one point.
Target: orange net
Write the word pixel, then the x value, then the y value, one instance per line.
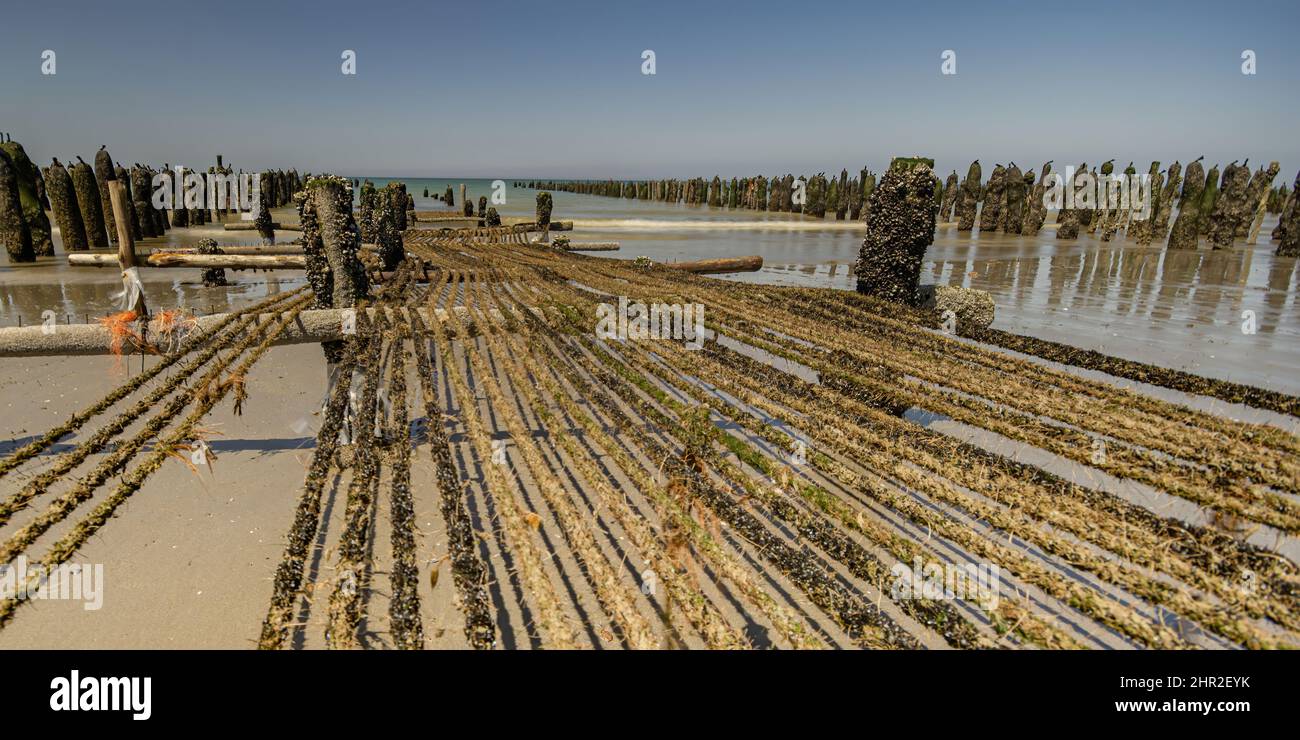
pixel 172 326
pixel 121 327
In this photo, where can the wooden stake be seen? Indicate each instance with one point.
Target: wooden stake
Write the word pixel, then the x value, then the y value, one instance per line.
pixel 126 257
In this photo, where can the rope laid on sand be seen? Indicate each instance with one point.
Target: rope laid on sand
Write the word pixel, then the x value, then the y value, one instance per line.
pixel 62 550
pixel 78 419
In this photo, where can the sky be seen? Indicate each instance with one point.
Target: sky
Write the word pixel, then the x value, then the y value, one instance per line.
pixel 555 89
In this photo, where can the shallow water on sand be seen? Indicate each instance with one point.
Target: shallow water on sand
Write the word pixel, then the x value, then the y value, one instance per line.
pixel 1181 309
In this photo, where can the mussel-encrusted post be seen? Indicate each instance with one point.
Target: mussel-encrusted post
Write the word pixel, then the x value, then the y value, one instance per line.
pixel 398 201
pixel 995 200
pixel 63 201
pixel 213 277
pixel 968 198
pixel 1288 231
pixel 1013 212
pixel 29 195
pixel 1250 216
pixel 1164 208
pixel 900 226
pixel 262 221
pixel 1140 229
pixel 366 204
pixel 105 171
pixel 950 187
pixel 544 205
pixel 1209 196
pixel 387 237
pixel 141 211
pixel 1223 219
pixel 88 200
pixel 1068 219
pixel 1186 231
pixel 14 232
pixel 1035 205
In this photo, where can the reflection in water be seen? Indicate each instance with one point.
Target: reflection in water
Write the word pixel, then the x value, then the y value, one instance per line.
pixel 1183 309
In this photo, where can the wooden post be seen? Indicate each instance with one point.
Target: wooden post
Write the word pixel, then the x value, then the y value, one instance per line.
pixel 126 258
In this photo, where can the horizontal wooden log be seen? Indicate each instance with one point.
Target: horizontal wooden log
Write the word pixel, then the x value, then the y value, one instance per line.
pixel 231 261
pixel 319 325
pixel 236 249
pixel 100 259
pixel 250 226
pixel 440 216
pixel 592 247
pixel 750 263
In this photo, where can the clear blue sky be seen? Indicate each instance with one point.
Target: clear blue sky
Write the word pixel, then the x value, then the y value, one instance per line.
pixel 507 89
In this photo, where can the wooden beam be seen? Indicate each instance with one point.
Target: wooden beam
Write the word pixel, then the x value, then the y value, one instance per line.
pixel 318 325
pixel 250 226
pixel 750 263
pixel 230 261
pixel 99 259
pixel 242 249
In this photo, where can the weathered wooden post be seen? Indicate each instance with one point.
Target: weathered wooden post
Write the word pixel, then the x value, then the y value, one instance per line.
pixel 126 250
